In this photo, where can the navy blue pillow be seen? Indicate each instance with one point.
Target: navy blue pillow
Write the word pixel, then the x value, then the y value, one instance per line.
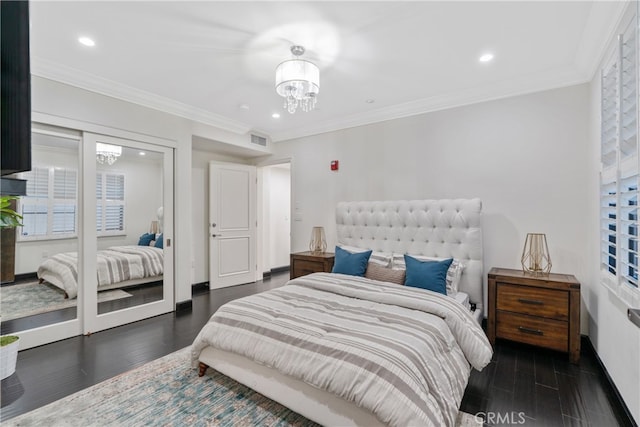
pixel 145 239
pixel 431 275
pixel 159 242
pixel 354 264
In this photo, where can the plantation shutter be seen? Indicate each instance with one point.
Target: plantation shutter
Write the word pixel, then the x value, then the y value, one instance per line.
pixel 619 158
pixel 628 131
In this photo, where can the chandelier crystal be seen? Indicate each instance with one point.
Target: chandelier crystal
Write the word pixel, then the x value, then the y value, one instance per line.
pixel 298 82
pixel 107 153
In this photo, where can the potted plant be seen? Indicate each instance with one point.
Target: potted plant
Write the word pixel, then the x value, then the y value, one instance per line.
pixel 8 355
pixel 9 219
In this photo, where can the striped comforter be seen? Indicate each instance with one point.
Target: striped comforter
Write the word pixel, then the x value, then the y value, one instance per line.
pixel 402 353
pixel 114 265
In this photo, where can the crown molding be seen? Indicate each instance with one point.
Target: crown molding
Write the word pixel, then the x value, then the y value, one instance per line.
pixel 74 77
pixel 604 19
pixel 534 83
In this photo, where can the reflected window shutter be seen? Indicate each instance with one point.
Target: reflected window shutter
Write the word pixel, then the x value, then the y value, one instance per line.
pixel 34 208
pixel 110 198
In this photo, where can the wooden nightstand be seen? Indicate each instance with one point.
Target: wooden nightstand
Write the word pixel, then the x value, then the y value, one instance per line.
pixel 303 263
pixel 538 310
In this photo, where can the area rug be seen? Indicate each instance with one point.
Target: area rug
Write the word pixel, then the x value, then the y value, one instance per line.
pixel 168 392
pixel 27 299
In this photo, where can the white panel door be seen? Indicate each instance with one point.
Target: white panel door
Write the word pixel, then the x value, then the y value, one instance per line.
pixel 232 224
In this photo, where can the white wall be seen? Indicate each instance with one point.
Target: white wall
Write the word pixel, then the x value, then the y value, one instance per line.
pixel 526 157
pixel 200 210
pixel 614 337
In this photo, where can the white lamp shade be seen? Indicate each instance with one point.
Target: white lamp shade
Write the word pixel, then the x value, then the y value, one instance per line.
pixel 297 77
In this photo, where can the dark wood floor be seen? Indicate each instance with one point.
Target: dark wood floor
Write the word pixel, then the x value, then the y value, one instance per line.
pixel 542 385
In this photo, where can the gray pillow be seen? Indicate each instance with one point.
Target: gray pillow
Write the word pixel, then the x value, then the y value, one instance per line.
pixel 384 274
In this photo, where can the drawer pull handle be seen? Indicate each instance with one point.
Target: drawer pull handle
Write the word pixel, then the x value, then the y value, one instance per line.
pixel 530 301
pixel 530 331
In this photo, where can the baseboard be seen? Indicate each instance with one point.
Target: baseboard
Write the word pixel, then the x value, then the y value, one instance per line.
pixel 200 287
pixel 268 274
pixel 184 307
pixel 280 269
pixel 622 407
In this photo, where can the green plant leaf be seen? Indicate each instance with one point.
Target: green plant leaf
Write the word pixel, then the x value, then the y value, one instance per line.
pixel 8 217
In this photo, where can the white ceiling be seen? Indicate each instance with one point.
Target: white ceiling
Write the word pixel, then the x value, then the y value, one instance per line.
pixel 202 60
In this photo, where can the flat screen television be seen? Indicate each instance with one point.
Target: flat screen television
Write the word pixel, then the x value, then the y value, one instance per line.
pixel 15 89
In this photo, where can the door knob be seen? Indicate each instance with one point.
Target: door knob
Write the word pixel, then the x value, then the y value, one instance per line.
pixel 216 235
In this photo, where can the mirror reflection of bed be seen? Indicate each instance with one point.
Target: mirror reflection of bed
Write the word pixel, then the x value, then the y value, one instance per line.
pixel 129 207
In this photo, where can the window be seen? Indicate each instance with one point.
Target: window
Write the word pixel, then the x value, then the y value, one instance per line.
pixel 619 164
pixel 49 208
pixel 110 203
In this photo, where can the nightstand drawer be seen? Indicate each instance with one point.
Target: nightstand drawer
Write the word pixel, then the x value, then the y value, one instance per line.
pixel 303 267
pixel 553 304
pixel 547 333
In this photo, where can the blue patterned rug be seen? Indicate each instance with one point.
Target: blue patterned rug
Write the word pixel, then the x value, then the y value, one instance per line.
pixel 168 392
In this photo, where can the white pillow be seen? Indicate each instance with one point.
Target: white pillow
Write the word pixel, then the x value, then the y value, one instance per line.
pixel 379 258
pixel 453 273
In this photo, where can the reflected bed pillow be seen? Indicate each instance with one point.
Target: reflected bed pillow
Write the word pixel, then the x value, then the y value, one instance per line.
pixel 145 239
pixel 159 243
pixel 354 264
pixel 384 274
pixel 431 275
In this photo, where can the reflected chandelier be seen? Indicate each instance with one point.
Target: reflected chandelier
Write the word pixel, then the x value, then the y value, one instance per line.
pixel 107 154
pixel 298 82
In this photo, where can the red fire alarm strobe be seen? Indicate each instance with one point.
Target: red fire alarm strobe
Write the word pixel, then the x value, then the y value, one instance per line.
pixel 334 165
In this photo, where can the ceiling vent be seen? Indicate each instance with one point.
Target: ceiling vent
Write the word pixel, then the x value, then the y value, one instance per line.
pixel 259 140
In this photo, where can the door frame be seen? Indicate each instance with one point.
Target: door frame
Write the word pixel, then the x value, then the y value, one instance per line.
pixel 262 236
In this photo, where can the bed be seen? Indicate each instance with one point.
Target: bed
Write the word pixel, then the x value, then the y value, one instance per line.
pixel 346 350
pixel 117 267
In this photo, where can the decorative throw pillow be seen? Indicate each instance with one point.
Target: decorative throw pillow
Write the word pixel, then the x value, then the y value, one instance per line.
pixel 431 275
pixel 159 242
pixel 347 263
pixel 145 239
pixel 384 274
pixel 454 273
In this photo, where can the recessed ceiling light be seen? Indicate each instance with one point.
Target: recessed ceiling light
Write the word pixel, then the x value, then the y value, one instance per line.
pixel 370 101
pixel 243 106
pixel 486 57
pixel 276 115
pixel 142 153
pixel 86 41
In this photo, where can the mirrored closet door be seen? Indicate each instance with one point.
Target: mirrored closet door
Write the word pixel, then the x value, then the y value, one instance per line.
pixel 95 248
pixel 129 222
pixel 39 258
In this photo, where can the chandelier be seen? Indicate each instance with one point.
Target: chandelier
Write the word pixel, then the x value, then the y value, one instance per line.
pixel 107 154
pixel 298 82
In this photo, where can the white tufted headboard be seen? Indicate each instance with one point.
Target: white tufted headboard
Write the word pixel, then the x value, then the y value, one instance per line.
pixel 435 228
